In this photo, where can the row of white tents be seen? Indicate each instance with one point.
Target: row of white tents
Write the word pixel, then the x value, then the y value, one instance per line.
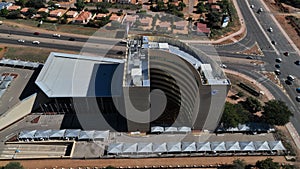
pixel 19 63
pixel 63 134
pixel 159 129
pixel 188 147
pixel 249 127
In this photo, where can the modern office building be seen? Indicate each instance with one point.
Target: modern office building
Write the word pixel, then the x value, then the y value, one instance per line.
pixel 161 82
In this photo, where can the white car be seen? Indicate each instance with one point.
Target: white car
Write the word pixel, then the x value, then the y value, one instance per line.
pixel 291 78
pixel 223 66
pixel 21 41
pixel 251 6
pixel 271 29
pixel 56 35
pixel 36 42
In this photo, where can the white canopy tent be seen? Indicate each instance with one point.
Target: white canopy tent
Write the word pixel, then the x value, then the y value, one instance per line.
pixel 160 147
pixel 86 135
pixel 27 134
pixel 276 146
pixel 247 146
pixel 218 146
pixel 184 129
pixel 42 134
pixel 261 146
pixel 101 135
pixel 232 146
pixel 188 146
pixel 57 134
pixel 144 148
pixel 157 129
pixel 115 148
pixel 72 133
pixel 170 129
pixel 203 146
pixel 129 148
pixel 174 146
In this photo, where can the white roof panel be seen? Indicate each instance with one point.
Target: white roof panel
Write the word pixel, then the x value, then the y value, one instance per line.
pixel 247 146
pixel 174 146
pixel 86 135
pixel 203 146
pixel 68 75
pixel 188 146
pixel 232 146
pixel 218 146
pixel 129 147
pixel 144 147
pixel 261 146
pixel 115 148
pixel 160 147
pixel 276 145
pixel 101 134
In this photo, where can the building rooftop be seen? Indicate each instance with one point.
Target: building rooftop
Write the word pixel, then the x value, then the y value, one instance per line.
pixel 68 75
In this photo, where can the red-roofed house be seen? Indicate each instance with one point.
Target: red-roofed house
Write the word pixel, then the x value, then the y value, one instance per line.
pixel 83 18
pixel 202 28
pixel 115 17
pixel 55 13
pixel 164 26
pixel 13 8
pixel 216 7
pixel 100 16
pixel 72 14
pixel 41 10
pixel 24 10
pixel 145 21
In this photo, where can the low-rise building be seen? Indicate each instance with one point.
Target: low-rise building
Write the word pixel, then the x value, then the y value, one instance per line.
pixel 24 10
pixel 72 14
pixel 83 18
pixel 163 26
pixel 100 16
pixel 5 5
pixel 57 13
pixel 145 21
pixel 180 25
pixel 13 8
pixel 212 1
pixel 115 17
pixel 215 7
pixel 203 29
pixel 43 10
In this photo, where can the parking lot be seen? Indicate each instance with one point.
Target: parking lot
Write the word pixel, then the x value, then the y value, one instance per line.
pixel 14 90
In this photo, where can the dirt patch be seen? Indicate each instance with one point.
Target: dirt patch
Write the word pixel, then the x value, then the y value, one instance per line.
pixel 32 54
pixel 138 163
pixel 235 80
pixel 271 76
pixel 254 50
pixel 3 49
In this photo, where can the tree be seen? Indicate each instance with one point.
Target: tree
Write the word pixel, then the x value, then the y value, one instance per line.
pixel 13 15
pixel 160 5
pixel 238 164
pixel 31 12
pixel 200 7
pixel 13 165
pixel 252 104
pixel 214 18
pixel 233 115
pixel 267 164
pixel 35 4
pixel 276 113
pixel 80 5
pixel 21 3
pixel 181 5
pixel 4 12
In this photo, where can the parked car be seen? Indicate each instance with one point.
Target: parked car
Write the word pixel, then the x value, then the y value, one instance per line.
pixel 270 29
pixel 36 33
pixel 56 35
pixel 71 39
pixel 260 10
pixel 250 57
pixel 291 78
pixel 21 41
pixel 273 42
pixel 277 72
pixel 36 42
pixel 223 66
pixel 277 66
pixel 278 60
pixel 297 62
pixel 298 98
pixel 298 89
pixel 251 6
pixel 286 53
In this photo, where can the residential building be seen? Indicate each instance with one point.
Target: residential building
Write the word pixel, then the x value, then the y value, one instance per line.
pixel 83 18
pixel 180 25
pixel 43 10
pixel 72 14
pixel 13 8
pixel 202 29
pixel 24 10
pixel 100 16
pixel 5 5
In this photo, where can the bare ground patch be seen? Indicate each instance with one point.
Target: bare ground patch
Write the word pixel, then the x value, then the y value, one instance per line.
pixel 254 50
